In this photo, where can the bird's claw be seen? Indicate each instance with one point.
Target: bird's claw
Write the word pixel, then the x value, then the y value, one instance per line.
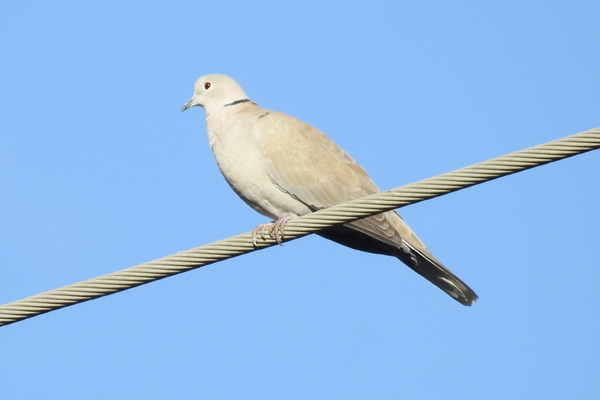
pixel 260 228
pixel 275 229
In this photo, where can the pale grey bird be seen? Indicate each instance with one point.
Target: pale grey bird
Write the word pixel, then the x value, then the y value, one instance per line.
pixel 283 168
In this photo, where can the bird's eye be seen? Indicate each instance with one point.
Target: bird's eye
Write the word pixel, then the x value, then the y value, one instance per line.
pixel 207 85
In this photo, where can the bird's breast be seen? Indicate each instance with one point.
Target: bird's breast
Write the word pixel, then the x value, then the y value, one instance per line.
pixel 242 165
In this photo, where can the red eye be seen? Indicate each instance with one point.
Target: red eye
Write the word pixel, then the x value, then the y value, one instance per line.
pixel 207 85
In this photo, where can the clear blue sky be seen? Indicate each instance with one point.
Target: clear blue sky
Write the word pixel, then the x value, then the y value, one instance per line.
pixel 99 171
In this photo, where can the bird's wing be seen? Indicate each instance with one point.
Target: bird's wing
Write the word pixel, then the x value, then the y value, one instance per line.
pixel 308 165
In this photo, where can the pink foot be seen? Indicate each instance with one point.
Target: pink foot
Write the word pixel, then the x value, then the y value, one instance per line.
pixel 260 228
pixel 276 228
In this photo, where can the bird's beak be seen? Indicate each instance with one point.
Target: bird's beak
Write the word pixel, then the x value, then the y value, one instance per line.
pixel 191 103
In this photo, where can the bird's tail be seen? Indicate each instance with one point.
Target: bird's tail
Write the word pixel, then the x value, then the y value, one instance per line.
pixel 434 271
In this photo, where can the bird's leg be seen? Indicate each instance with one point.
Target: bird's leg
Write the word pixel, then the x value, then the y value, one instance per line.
pixel 276 228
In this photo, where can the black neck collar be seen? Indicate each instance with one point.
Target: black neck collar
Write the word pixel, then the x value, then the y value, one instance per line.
pixel 233 103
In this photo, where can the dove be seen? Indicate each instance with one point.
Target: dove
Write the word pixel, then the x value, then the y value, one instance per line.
pixel 283 168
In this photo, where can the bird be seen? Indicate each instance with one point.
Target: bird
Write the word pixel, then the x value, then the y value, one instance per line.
pixel 284 168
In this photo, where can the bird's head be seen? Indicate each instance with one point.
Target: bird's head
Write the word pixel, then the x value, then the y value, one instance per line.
pixel 215 90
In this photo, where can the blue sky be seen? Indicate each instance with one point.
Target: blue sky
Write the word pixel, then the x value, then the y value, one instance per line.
pixel 99 171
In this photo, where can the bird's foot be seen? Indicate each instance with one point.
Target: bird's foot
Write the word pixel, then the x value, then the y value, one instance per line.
pixel 278 227
pixel 275 229
pixel 260 228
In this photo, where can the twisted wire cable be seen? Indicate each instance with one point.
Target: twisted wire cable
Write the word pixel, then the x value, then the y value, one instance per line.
pixel 301 226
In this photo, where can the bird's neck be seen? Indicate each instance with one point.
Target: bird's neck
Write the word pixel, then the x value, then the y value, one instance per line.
pixel 221 120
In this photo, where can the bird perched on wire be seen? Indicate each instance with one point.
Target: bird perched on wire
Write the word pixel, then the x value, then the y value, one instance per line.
pixel 283 168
